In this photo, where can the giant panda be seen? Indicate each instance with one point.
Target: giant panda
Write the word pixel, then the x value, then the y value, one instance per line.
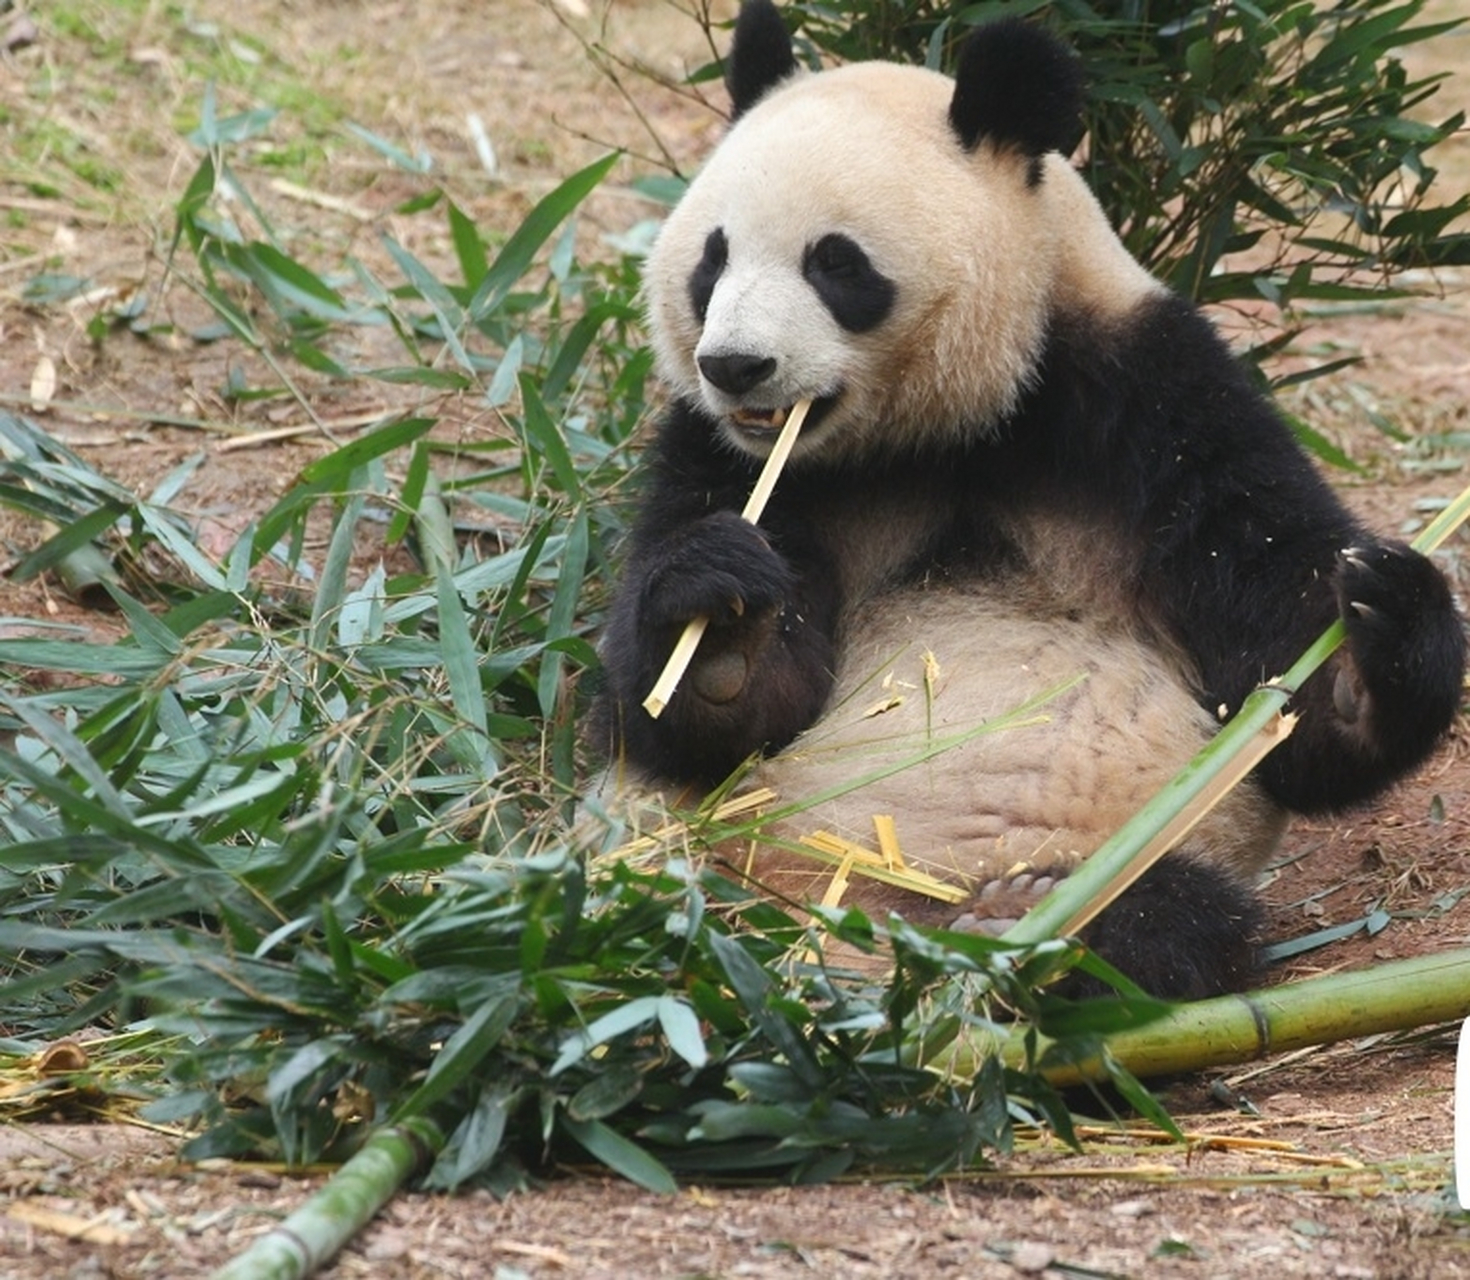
pixel 1032 478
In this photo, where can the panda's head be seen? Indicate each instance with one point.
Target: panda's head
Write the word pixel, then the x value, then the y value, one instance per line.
pixel 883 240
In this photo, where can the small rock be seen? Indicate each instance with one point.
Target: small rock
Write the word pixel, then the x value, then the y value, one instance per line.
pixel 20 34
pixel 1031 1257
pixel 1131 1209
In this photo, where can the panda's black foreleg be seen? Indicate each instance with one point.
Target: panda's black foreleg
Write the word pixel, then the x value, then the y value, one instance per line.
pixel 1185 931
pixel 762 671
pixel 1382 703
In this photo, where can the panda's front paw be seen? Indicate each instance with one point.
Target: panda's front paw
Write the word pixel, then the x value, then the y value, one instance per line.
pixel 721 568
pixel 1406 646
pixel 1392 601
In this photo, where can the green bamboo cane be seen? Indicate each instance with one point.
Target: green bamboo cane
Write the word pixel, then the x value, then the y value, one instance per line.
pixel 1396 996
pixel 341 1208
pixel 1120 860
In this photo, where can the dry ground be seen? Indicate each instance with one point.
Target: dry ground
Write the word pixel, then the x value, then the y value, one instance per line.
pixel 1348 1173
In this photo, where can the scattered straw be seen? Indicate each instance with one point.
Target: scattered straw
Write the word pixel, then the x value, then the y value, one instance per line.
pixel 851 858
pixel 676 830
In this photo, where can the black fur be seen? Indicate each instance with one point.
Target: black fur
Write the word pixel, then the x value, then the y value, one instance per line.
pixel 1185 930
pixel 707 272
pixel 771 596
pixel 760 55
pixel 1016 86
pixel 858 295
pixel 1157 434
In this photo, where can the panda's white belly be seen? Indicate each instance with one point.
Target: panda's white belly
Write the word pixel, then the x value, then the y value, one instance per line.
pixel 1000 743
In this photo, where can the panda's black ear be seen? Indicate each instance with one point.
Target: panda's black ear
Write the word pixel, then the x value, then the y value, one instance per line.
pixel 760 55
pixel 1017 86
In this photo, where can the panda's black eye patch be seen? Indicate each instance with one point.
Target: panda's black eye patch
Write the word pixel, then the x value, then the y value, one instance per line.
pixel 707 271
pixel 858 295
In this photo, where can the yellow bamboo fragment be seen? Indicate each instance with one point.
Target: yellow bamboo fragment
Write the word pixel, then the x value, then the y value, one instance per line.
pixel 887 832
pixel 859 861
pixel 838 885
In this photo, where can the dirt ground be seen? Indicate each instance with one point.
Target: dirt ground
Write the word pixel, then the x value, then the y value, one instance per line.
pixel 1343 1169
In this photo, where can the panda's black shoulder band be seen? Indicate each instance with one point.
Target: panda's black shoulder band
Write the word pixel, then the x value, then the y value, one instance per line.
pixel 1017 85
pixel 760 55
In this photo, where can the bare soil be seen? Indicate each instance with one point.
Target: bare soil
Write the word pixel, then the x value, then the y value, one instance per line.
pixel 1343 1171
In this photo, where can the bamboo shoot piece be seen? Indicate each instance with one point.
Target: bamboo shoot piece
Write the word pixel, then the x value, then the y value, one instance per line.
pixel 688 643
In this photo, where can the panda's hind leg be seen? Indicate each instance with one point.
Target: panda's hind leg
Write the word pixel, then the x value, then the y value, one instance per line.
pixel 1186 930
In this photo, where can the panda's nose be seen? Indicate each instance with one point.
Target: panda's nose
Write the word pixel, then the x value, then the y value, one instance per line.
pixel 736 374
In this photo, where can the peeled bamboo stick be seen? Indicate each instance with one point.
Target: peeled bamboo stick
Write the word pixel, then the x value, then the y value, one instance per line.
pixel 683 654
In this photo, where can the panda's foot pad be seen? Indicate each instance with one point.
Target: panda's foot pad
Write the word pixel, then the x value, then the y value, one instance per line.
pixel 1002 902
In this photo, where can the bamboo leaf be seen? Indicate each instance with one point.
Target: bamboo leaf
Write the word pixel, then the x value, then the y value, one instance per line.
pixel 681 1027
pixel 468 247
pixel 470 743
pixel 338 466
pixel 74 541
pixel 441 302
pixel 543 435
pixel 563 614
pixel 395 155
pixel 476 1140
pixel 627 1017
pixel 332 590
pixel 754 987
pixel 464 1051
pixel 620 1155
pixel 515 258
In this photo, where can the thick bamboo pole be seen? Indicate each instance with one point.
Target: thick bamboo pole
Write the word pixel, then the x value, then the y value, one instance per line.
pixel 1395 996
pixel 341 1208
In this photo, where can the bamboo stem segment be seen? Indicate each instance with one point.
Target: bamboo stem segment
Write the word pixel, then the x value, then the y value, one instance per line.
pixel 1398 995
pixel 683 654
pixel 335 1213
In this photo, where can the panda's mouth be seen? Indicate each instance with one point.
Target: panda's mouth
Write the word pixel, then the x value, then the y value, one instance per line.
pixel 760 422
pixel 764 425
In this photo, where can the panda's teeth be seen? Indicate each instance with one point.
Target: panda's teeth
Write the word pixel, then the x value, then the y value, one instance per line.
pixel 760 419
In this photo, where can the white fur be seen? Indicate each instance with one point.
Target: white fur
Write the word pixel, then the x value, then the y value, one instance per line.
pixel 977 792
pixel 981 260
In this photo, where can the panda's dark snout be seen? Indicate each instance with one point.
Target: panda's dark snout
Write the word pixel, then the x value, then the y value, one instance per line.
pixel 736 374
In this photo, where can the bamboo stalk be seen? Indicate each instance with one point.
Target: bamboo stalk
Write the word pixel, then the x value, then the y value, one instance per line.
pixel 1398 995
pixel 1204 780
pixel 334 1214
pixel 688 642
